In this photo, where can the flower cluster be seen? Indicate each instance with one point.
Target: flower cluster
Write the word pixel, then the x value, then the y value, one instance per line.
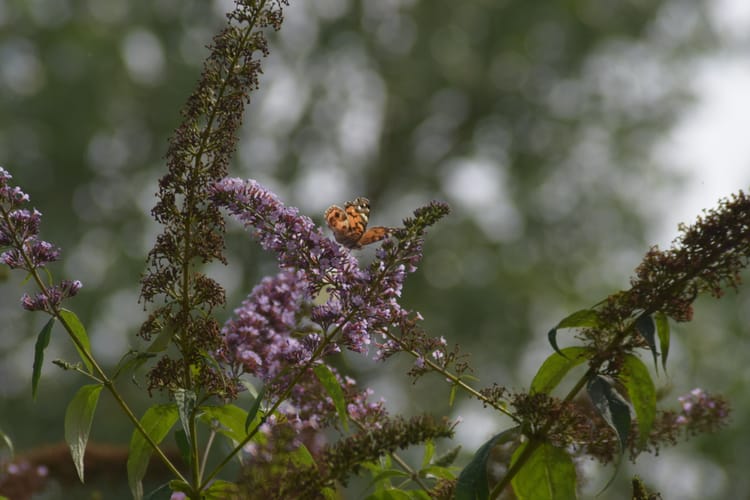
pixel 361 302
pixel 701 412
pixel 283 330
pixel 268 334
pixel 52 297
pixel 19 230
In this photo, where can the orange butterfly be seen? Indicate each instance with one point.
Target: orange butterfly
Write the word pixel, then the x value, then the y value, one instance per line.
pixel 349 224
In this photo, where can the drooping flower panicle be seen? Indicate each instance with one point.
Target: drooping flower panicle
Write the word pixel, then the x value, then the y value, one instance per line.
pixel 19 232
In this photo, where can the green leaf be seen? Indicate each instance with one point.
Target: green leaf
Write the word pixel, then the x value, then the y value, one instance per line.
pixel 549 474
pixel 585 318
pixel 611 406
pixel 232 419
pixel 221 490
pixel 79 332
pixel 642 394
pixel 8 442
pixel 389 495
pixel 157 421
pixel 452 395
pixel 437 471
pixel 333 388
pixel 78 418
pixel 472 483
pixel 302 457
pixel 419 495
pixel 429 452
pixel 42 341
pixel 180 437
pixel 163 492
pixel 162 340
pixel 177 485
pixel 552 337
pixel 662 331
pixel 329 493
pixel 131 361
pixel 185 401
pixel 253 411
pixel 556 366
pixel 645 326
pixel 448 457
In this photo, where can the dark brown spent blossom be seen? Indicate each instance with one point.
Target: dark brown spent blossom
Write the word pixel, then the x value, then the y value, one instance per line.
pixel 199 152
pixel 707 257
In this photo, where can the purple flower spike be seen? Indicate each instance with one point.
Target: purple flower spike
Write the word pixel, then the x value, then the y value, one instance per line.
pixel 361 302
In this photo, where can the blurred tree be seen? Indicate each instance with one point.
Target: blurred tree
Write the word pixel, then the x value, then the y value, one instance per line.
pixel 534 119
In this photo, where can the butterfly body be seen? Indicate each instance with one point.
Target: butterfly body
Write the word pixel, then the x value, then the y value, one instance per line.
pixel 349 224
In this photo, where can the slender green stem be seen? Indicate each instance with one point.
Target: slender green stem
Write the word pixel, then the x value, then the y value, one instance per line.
pixel 209 443
pixel 99 372
pixel 413 475
pixel 453 378
pixel 109 384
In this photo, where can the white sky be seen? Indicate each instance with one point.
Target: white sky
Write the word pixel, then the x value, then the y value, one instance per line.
pixel 712 142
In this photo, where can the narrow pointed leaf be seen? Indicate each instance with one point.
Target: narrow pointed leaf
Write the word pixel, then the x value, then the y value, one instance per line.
pixel 611 406
pixel 447 458
pixel 42 341
pixel 253 411
pixel 333 388
pixel 549 474
pixel 642 394
pixel 221 490
pixel 163 339
pixel 301 457
pixel 647 329
pixel 79 332
pixel 662 331
pixel 180 437
pixel 429 452
pixel 162 492
pixel 157 421
pixel 585 318
pixel 472 483
pixel 552 337
pixel 78 418
pixel 231 417
pixel 8 442
pixel 389 495
pixel 185 401
pixel 556 367
pixel 131 361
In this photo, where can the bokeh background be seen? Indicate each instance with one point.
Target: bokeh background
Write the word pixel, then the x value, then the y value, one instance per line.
pixel 568 136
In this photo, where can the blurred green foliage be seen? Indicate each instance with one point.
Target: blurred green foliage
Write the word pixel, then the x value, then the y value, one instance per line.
pixel 533 119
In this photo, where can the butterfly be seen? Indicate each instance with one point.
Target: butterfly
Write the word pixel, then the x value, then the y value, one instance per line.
pixel 349 224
